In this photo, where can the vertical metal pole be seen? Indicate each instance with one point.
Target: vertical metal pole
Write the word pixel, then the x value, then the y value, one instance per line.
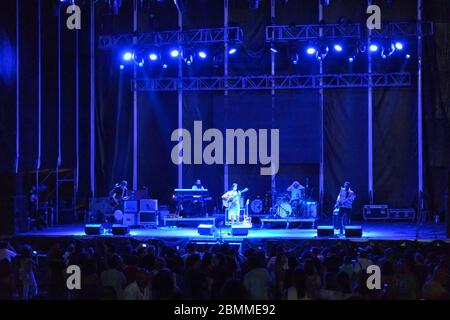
pixel 322 128
pixel 17 88
pixel 58 163
pixel 273 184
pixel 135 104
pixel 92 98
pixel 39 137
pixel 419 107
pixel 180 98
pixel 77 116
pixel 369 119
pixel 225 73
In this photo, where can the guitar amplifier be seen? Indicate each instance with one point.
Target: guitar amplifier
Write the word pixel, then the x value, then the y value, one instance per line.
pixel 130 206
pixel 376 212
pixel 148 205
pixel 148 218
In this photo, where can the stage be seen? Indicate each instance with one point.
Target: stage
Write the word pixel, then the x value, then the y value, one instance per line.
pixel 391 231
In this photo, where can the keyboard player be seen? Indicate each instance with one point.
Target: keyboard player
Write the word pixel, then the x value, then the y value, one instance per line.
pixel 197 185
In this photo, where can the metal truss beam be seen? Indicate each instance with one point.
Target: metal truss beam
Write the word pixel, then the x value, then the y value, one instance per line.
pixel 404 29
pixel 268 82
pixel 149 39
pixel 308 32
pixel 312 32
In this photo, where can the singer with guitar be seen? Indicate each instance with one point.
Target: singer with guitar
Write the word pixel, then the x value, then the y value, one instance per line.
pixel 344 203
pixel 119 194
pixel 230 200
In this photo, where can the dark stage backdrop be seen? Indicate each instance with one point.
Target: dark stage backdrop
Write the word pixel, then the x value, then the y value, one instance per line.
pixel 345 113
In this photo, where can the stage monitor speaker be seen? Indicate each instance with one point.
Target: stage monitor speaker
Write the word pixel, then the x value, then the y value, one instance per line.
pixel 325 231
pixel 353 231
pixel 93 229
pixel 120 229
pixel 205 229
pixel 148 205
pixel 239 230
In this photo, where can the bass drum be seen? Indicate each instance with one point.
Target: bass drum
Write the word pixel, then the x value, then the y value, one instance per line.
pixel 284 210
pixel 256 206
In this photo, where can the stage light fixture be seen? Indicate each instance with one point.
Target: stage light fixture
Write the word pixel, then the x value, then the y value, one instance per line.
pixel 202 54
pixel 232 51
pixel 174 53
pixel 273 48
pixel 388 50
pixel 295 58
pixel 338 47
pixel 122 67
pixel 399 45
pixel 218 59
pixel 351 59
pixel 188 56
pixel 141 64
pixel 373 47
pixel 322 52
pixel 153 56
pixel 164 65
pixel 311 50
pixel 127 56
pixel 408 56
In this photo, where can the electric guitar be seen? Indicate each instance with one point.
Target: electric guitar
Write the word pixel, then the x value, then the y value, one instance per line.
pixel 231 200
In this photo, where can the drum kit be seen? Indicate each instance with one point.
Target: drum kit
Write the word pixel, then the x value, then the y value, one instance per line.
pixel 283 206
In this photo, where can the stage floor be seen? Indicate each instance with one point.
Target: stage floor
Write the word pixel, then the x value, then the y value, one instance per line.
pixel 371 231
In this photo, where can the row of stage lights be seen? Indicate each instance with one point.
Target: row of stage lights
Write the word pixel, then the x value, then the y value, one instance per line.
pixel 320 51
pixel 187 55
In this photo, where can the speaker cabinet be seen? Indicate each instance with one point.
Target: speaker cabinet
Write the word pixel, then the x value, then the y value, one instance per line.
pixel 205 229
pixel 239 230
pixel 353 231
pixel 120 229
pixel 325 231
pixel 93 229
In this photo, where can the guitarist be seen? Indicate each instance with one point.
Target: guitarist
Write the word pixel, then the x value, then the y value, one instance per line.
pixel 232 199
pixel 344 203
pixel 119 193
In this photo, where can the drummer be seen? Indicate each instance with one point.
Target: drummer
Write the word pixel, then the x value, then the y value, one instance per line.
pixel 297 193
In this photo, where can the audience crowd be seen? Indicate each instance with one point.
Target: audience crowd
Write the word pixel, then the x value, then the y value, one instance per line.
pixel 143 271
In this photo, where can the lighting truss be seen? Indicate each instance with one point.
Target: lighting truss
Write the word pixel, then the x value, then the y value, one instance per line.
pixel 283 33
pixel 311 32
pixel 268 82
pixel 404 29
pixel 149 39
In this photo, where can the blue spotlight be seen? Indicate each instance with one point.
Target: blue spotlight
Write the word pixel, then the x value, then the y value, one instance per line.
pixel 122 66
pixel 174 53
pixel 351 59
pixel 408 56
pixel 373 48
pixel 399 45
pixel 153 56
pixel 141 64
pixel 127 56
pixel 337 48
pixel 164 66
pixel 232 51
pixel 311 50
pixel 202 54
